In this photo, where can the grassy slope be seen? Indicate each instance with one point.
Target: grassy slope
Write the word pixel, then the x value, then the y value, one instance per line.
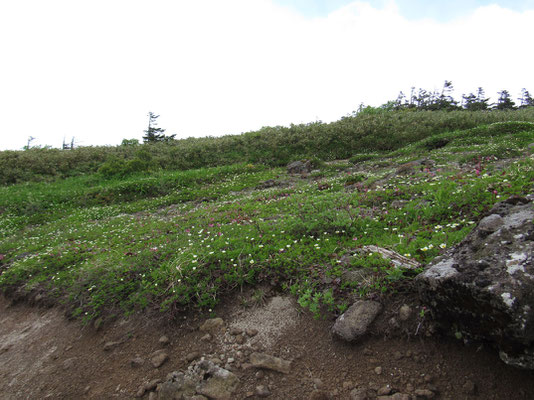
pixel 179 240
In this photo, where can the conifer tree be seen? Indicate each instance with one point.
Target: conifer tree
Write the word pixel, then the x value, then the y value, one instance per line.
pixel 504 102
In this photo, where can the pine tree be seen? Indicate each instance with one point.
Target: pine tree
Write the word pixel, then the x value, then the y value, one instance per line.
pixel 504 102
pixel 526 99
pixel 154 134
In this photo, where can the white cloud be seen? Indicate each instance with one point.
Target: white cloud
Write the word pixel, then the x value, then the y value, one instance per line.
pixel 94 69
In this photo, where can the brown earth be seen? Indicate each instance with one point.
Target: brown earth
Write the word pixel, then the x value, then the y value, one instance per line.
pixel 44 355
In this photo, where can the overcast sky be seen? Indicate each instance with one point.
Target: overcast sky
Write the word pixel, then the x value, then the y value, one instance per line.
pixel 94 69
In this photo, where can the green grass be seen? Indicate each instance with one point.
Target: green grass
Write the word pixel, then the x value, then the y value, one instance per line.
pixel 179 240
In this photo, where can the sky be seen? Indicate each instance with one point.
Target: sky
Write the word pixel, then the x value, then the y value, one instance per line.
pixel 93 70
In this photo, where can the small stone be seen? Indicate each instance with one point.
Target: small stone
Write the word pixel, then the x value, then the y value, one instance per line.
pixel 234 331
pixel 359 394
pixel 348 385
pixel 262 391
pixel 469 387
pixel 86 390
pixel 260 374
pixel 384 391
pixel 137 362
pixel 251 332
pixel 140 391
pixel 397 355
pixel 206 337
pixel 240 339
pixel 66 348
pixel 163 340
pixel 152 384
pixel 262 360
pixel 405 312
pixel 158 358
pixel 152 396
pixel 424 393
pixel 212 324
pixel 192 356
pixel 428 378
pixel 409 388
pixel 216 361
pixel 110 345
pixel 318 383
pixel 378 370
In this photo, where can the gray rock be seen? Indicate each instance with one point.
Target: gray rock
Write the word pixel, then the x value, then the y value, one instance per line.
pixel 262 391
pixel 158 358
pixel 164 340
pixel 262 360
pixel 425 393
pixel 359 394
pixel 299 167
pixel 137 362
pixel 177 387
pixel 485 284
pixel 111 345
pixel 354 323
pixel 215 382
pixel 212 324
pixel 405 312
pixel 396 396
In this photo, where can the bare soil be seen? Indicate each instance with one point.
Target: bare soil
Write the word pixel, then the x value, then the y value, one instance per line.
pixel 44 355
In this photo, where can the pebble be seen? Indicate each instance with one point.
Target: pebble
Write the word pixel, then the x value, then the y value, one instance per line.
pixel 110 345
pixel 240 339
pixel 206 337
pixel 405 312
pixel 378 370
pixel 397 355
pixel 158 358
pixel 469 387
pixel 152 384
pixel 251 332
pixel 318 383
pixel 384 391
pixel 262 391
pixel 260 374
pixel 234 331
pixel 212 324
pixel 262 360
pixel 192 356
pixel 136 362
pixel 152 396
pixel 164 340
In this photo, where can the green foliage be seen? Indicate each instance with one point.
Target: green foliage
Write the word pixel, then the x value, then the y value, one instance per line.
pixel 365 134
pixel 131 238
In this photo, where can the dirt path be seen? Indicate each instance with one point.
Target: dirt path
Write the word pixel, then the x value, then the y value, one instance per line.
pixel 42 355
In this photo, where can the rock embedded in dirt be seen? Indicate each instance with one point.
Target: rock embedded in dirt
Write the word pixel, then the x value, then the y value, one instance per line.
pixel 164 340
pixel 360 394
pixel 108 346
pixel 319 395
pixel 485 284
pixel 251 332
pixel 158 358
pixel 192 356
pixel 262 391
pixel 396 396
pixel 299 167
pixel 215 382
pixel 212 325
pixel 353 324
pixel 384 391
pixel 262 360
pixel 405 312
pixel 136 362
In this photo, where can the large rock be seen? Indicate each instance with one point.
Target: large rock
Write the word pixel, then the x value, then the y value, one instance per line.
pixel 299 167
pixel 484 287
pixel 354 323
pixel 202 377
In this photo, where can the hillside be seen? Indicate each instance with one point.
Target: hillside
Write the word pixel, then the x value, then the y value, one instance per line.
pixel 238 240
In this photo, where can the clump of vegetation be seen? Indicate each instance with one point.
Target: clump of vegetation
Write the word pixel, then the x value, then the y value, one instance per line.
pixel 179 240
